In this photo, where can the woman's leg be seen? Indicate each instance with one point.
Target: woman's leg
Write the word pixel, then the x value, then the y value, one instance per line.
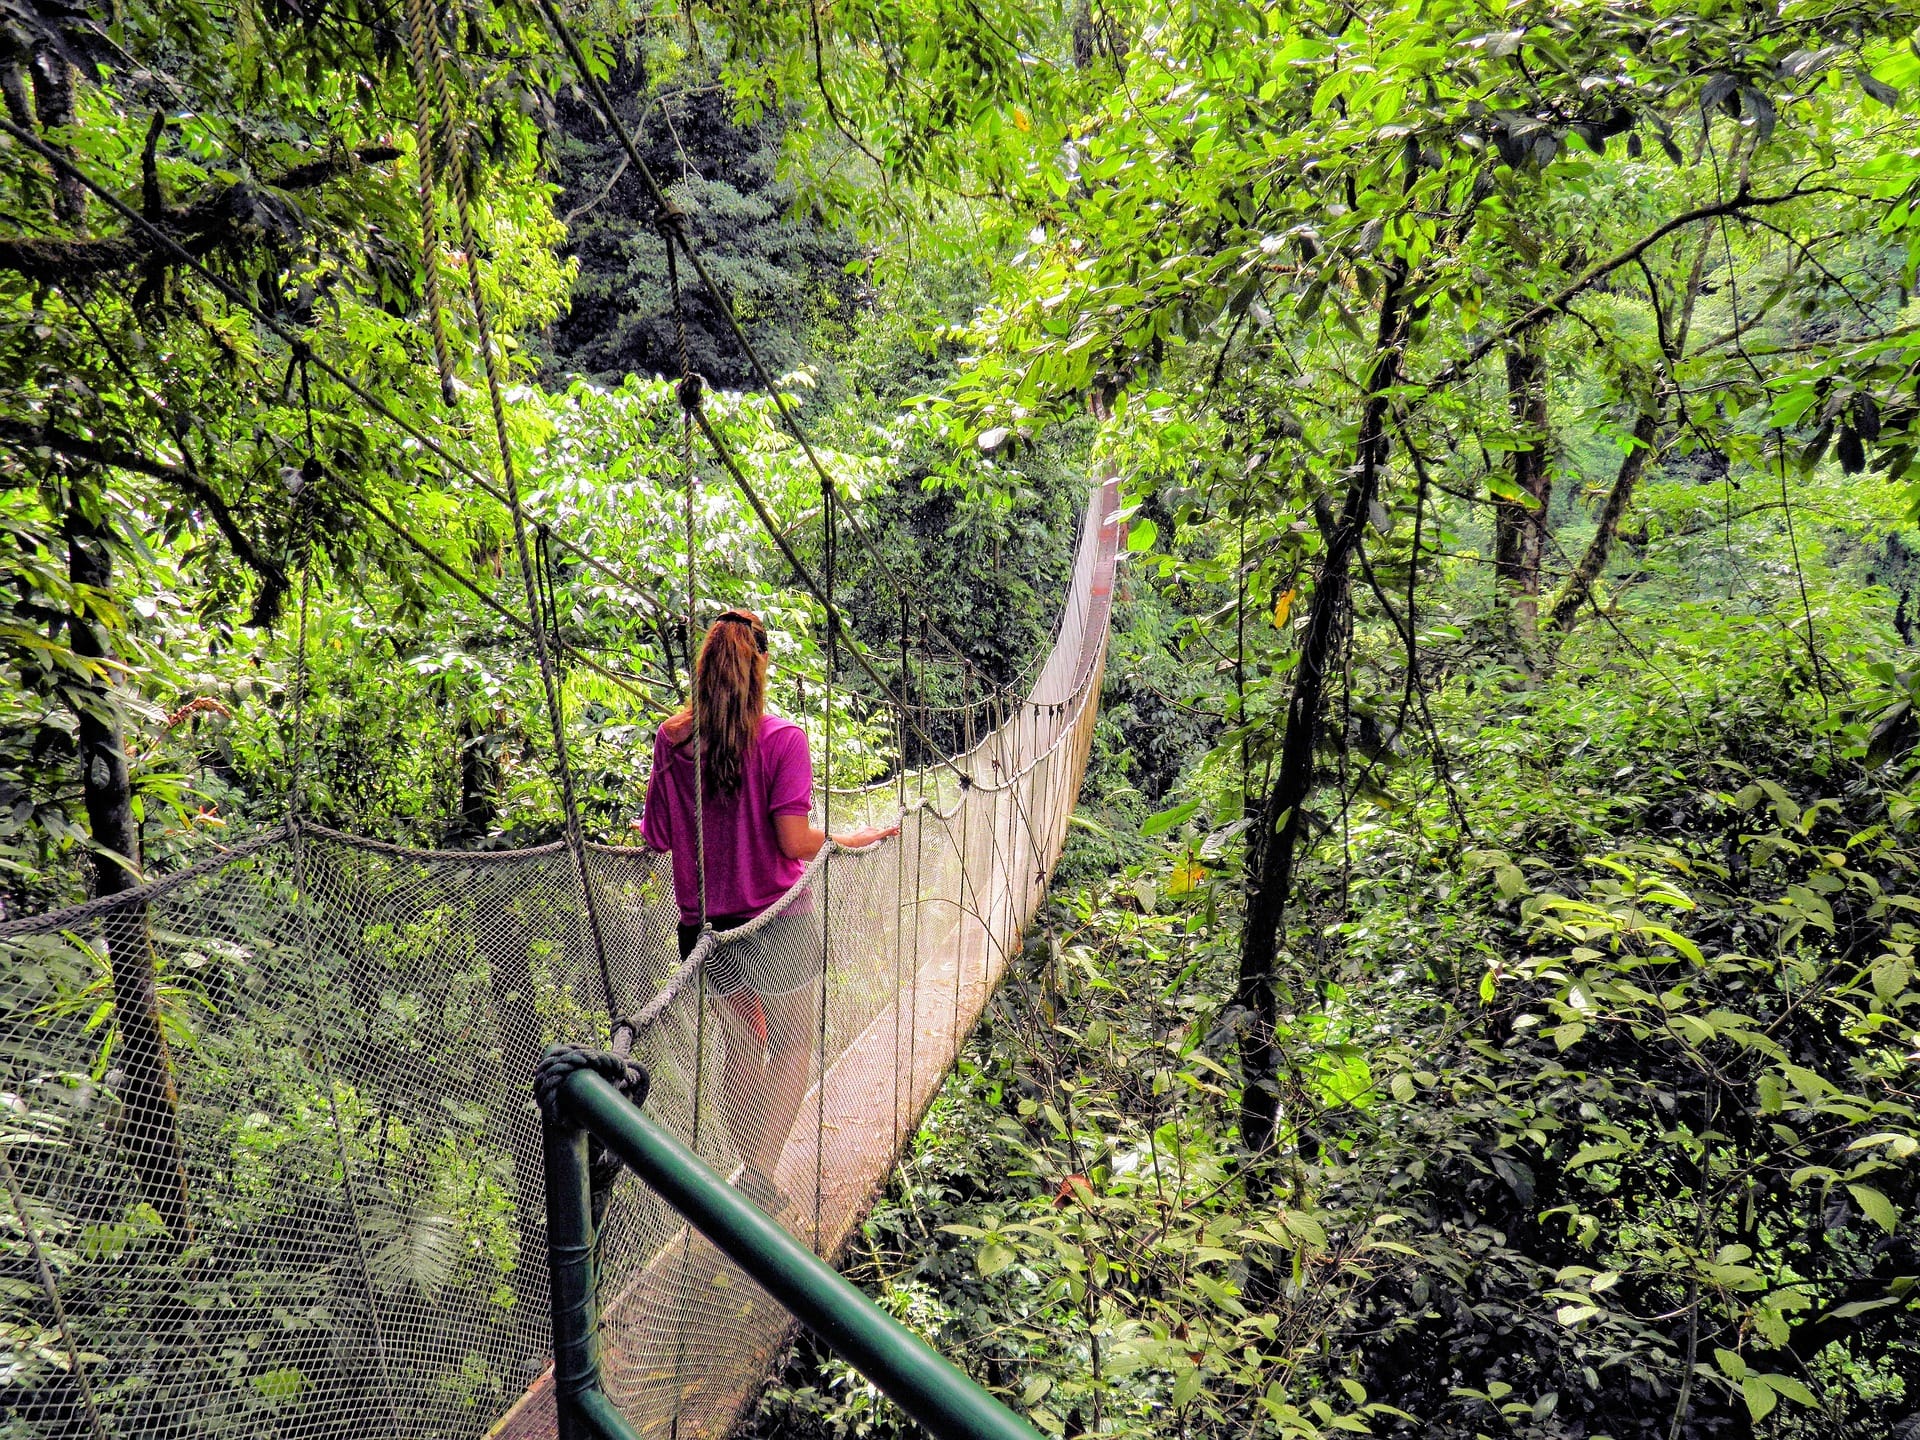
pixel 793 1021
pixel 743 1071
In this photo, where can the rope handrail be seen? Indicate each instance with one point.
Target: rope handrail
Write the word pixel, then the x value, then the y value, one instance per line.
pixel 79 914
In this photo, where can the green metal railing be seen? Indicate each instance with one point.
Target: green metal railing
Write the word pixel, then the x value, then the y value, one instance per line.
pixel 945 1402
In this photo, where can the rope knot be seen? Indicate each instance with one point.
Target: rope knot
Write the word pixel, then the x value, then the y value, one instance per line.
pixel 670 220
pixel 691 389
pixel 562 1061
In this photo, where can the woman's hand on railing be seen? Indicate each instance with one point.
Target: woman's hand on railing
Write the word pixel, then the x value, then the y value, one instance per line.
pixel 865 836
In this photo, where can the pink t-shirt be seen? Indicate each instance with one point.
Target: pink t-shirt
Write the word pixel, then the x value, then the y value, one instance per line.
pixel 746 871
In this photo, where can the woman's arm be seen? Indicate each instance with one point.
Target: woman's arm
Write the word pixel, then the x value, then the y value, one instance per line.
pixel 801 839
pixel 655 824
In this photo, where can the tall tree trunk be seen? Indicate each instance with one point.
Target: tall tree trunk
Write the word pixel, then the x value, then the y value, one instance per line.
pixel 1580 583
pixel 1520 530
pixel 479 785
pixel 150 1131
pixel 1276 845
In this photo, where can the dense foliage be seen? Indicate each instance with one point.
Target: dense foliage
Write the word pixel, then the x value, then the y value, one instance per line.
pixel 1512 1039
pixel 1479 996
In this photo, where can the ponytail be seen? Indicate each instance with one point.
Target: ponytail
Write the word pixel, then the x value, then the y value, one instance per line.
pixel 729 697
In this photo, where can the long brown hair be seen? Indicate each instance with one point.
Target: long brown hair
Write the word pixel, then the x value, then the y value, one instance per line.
pixel 729 695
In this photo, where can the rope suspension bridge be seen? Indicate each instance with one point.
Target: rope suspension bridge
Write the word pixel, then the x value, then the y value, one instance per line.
pixel 363 1247
pixel 291 1182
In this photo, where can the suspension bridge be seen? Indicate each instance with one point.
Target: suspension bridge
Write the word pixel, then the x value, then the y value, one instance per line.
pixel 354 1148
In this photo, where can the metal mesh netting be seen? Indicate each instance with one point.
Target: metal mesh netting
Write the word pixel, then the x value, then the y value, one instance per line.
pixel 271 1160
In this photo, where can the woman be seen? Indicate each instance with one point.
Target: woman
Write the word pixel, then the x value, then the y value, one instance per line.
pixel 754 800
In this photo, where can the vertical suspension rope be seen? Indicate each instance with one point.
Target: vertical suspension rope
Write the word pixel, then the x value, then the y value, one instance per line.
pixel 549 613
pixel 510 481
pixel 1004 864
pixel 828 561
pixel 688 394
pixel 919 896
pixel 900 868
pixel 966 853
pixel 76 1366
pixel 302 905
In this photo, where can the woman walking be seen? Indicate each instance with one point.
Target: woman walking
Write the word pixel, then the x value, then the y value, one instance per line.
pixel 753 802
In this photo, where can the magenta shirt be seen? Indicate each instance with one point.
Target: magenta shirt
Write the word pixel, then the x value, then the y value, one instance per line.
pixel 746 871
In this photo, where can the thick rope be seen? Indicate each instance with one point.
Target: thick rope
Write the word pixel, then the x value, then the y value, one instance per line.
pixel 510 481
pixel 829 548
pixel 562 1062
pixel 900 861
pixel 628 1077
pixel 429 201
pixel 688 391
pixel 966 855
pixel 549 614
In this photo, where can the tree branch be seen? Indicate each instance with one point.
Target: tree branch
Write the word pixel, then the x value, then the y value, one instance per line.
pixel 91 452
pixel 1554 304
pixel 221 218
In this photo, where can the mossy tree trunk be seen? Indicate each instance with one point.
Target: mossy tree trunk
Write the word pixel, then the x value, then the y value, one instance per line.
pixel 150 1130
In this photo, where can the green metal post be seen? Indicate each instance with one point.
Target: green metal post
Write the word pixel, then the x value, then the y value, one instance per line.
pixel 581 1411
pixel 946 1402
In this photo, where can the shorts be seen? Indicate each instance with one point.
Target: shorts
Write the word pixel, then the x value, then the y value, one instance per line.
pixel 782 956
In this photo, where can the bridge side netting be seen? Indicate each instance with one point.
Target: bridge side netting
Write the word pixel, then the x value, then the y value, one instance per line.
pixel 336 1226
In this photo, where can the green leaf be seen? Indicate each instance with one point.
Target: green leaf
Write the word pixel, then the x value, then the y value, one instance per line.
pixel 1875 1206
pixel 1759 1396
pixel 1304 1229
pixel 995 1257
pixel 1594 1154
pixel 1854 1309
pixel 1187 1386
pixel 281 1385
pixel 1167 819
pixel 1791 1388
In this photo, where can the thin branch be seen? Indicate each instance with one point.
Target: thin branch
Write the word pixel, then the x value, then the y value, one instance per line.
pixel 91 452
pixel 1558 302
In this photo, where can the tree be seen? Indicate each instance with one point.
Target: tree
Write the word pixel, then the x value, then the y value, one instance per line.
pixel 1520 522
pixel 779 266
